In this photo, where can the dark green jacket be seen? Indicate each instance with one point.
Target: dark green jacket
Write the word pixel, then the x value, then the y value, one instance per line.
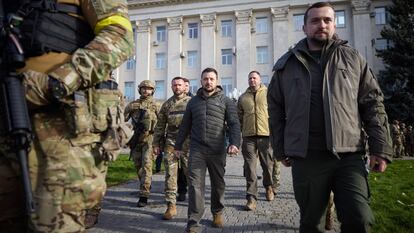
pixel 352 101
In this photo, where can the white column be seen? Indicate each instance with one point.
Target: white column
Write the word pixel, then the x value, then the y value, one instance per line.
pixel 142 52
pixel 280 31
pixel 208 41
pixel 243 48
pixel 174 49
pixel 362 29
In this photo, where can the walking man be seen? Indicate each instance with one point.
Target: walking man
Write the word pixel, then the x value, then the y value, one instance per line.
pixel 205 120
pixel 322 99
pixel 143 113
pixel 253 116
pixel 169 121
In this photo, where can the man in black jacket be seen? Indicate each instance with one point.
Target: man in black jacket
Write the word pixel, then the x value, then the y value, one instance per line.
pixel 323 100
pixel 207 117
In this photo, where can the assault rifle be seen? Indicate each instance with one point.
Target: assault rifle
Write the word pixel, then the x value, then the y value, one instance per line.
pixel 13 107
pixel 139 129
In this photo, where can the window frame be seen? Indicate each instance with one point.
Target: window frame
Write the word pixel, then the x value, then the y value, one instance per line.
pixel 161 34
pixel 298 22
pixel 337 19
pixel 261 57
pixel 160 61
pixel 193 31
pixel 226 57
pixel 228 26
pixel 264 21
pixel 192 58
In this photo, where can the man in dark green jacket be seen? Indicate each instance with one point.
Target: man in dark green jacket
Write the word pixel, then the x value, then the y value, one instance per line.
pixel 324 105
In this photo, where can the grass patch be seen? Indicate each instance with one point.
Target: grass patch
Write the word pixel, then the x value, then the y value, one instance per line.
pixel 123 170
pixel 392 195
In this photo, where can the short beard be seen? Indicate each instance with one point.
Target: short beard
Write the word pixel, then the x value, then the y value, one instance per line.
pixel 318 42
pixel 208 90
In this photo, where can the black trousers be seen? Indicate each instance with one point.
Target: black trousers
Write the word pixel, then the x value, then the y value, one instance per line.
pixel 315 176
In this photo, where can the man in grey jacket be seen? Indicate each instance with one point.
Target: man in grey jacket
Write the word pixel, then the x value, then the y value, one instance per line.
pixel 208 116
pixel 323 99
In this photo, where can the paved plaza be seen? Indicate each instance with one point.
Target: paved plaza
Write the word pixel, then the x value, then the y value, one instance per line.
pixel 120 213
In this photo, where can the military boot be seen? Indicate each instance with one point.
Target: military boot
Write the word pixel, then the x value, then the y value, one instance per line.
pixel 251 203
pixel 269 193
pixel 218 221
pixel 170 212
pixel 142 202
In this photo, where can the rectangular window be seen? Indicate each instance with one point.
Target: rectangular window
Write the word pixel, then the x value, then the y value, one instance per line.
pixel 194 86
pixel 129 91
pixel 226 57
pixel 265 80
pixel 226 26
pixel 130 64
pixel 381 44
pixel 161 33
pixel 192 59
pixel 261 25
pixel 160 61
pixel 298 22
pixel 159 90
pixel 340 19
pixel 262 55
pixel 380 15
pixel 193 30
pixel 227 85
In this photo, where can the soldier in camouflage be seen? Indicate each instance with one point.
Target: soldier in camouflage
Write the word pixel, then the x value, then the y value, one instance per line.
pixel 144 113
pixel 409 139
pixel 396 139
pixel 67 153
pixel 169 121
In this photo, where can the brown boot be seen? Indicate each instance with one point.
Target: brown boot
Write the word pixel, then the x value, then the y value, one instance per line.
pixel 251 204
pixel 170 212
pixel 218 221
pixel 269 193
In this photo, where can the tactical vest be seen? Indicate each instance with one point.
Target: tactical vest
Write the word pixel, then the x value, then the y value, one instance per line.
pixel 49 26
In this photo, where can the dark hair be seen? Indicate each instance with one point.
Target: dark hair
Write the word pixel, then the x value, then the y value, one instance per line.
pixel 208 70
pixel 186 80
pixel 253 71
pixel 177 78
pixel 316 5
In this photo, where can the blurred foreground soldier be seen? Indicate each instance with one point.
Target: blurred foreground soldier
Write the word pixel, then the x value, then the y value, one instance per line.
pixel 71 47
pixel 206 117
pixel 253 116
pixel 322 98
pixel 169 121
pixel 143 113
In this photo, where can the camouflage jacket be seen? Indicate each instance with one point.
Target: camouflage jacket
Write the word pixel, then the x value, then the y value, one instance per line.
pixel 111 46
pixel 143 113
pixel 169 121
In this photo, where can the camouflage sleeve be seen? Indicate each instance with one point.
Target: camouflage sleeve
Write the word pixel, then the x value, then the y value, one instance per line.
pixel 127 112
pixel 159 132
pixel 112 45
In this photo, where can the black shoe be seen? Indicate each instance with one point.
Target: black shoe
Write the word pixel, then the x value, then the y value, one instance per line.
pixel 142 202
pixel 181 197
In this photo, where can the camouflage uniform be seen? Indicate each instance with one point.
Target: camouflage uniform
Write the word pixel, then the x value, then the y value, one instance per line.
pixel 396 139
pixel 144 112
pixel 169 121
pixel 403 132
pixel 65 165
pixel 409 138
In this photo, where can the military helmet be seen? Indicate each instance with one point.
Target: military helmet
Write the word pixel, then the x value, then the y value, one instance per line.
pixel 146 83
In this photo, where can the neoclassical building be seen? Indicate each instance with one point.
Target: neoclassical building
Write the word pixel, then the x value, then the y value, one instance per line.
pixel 182 37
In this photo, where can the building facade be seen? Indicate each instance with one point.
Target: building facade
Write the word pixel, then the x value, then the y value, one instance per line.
pixel 182 37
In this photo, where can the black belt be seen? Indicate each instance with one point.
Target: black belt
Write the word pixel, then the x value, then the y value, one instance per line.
pixel 108 85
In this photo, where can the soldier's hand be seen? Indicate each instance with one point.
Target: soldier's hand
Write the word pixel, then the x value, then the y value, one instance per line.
pixel 156 150
pixel 286 162
pixel 178 154
pixel 377 164
pixel 232 150
pixel 36 88
pixel 57 88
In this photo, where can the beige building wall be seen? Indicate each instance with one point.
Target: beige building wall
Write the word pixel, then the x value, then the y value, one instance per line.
pixel 247 38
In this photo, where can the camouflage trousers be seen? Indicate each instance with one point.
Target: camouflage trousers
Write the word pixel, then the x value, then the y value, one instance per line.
pixel 65 178
pixel 171 172
pixel 143 160
pixel 276 175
